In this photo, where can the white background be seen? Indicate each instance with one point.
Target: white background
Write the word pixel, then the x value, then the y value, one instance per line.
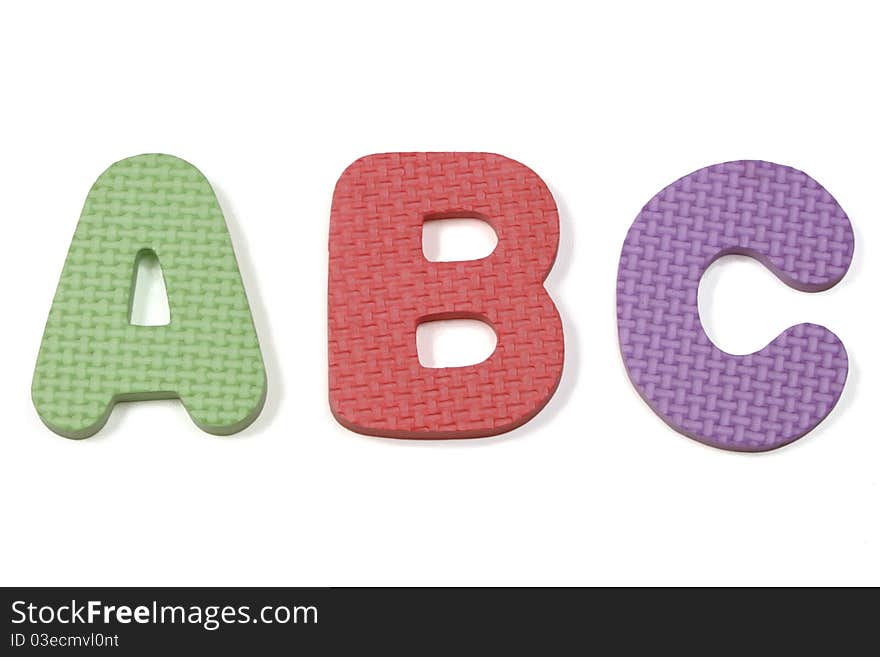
pixel 272 102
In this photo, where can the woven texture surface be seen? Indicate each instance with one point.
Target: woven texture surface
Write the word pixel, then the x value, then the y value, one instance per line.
pixel 208 355
pixel 786 220
pixel 381 286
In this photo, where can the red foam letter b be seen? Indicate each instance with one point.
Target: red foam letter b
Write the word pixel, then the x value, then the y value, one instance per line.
pixel 381 287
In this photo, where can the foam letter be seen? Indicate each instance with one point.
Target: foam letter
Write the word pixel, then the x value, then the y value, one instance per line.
pixel 381 287
pixel 787 221
pixel 92 356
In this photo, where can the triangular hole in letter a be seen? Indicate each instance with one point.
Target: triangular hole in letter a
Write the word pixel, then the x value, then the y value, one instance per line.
pixel 149 301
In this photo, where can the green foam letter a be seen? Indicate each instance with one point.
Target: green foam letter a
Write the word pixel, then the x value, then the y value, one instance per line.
pixel 92 356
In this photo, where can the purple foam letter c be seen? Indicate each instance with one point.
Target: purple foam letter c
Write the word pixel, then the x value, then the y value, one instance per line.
pixel 787 221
